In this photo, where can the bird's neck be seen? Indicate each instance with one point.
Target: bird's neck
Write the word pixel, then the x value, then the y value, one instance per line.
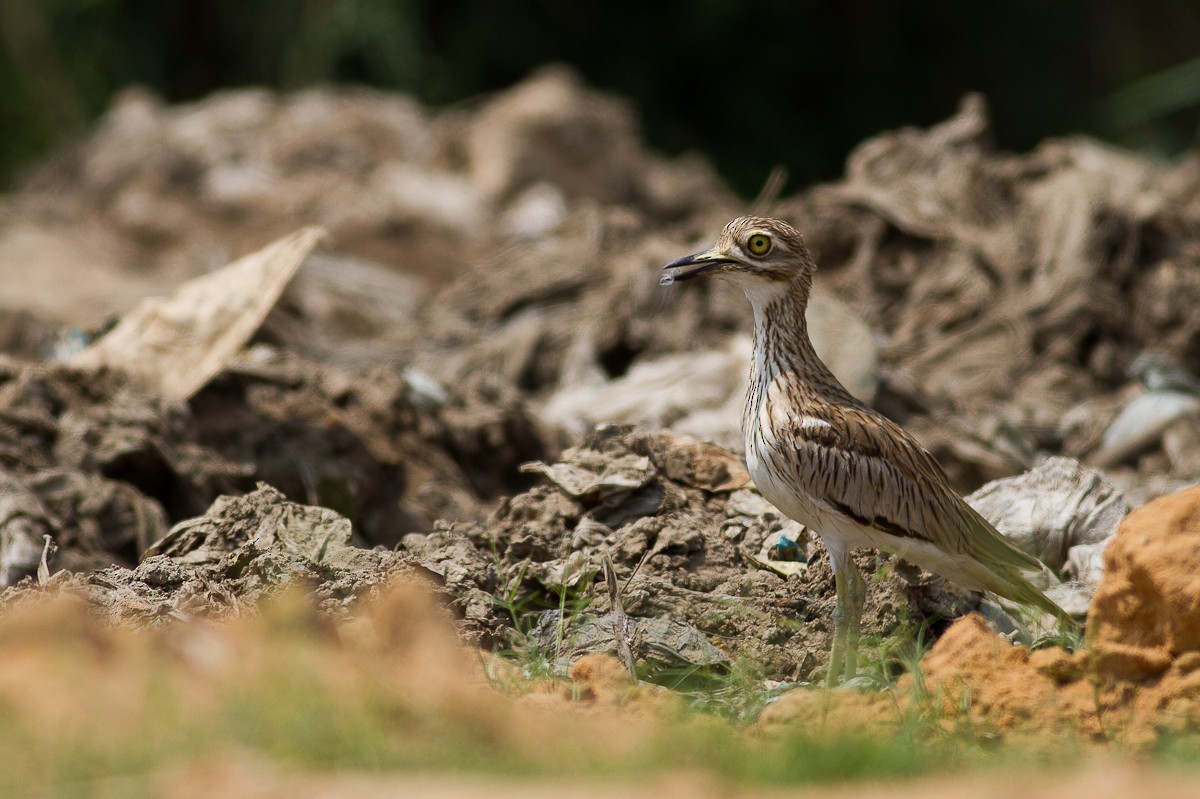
pixel 783 350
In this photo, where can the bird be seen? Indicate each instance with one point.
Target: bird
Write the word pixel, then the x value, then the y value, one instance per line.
pixel 831 462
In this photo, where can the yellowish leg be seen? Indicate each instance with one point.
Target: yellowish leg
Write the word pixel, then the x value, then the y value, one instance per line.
pixel 837 654
pixel 856 594
pixel 847 618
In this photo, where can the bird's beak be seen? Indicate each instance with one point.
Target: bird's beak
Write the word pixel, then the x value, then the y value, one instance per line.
pixel 691 266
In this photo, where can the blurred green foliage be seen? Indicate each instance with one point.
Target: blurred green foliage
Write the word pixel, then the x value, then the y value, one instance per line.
pixel 750 84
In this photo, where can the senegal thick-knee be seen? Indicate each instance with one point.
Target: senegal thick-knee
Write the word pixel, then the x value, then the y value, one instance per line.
pixel 830 461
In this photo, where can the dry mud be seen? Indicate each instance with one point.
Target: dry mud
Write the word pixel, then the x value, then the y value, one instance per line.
pixel 422 400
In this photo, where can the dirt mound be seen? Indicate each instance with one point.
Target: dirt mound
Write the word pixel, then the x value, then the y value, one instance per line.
pixel 696 557
pixel 979 686
pixel 689 544
pixel 104 468
pixel 176 190
pixel 224 564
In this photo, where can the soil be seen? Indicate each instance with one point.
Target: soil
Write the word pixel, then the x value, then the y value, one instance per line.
pixel 401 411
pixel 256 779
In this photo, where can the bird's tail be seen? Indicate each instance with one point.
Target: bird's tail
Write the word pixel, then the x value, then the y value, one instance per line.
pixel 1013 585
pixel 1005 565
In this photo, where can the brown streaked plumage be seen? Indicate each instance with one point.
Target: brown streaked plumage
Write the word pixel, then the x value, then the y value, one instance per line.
pixel 831 462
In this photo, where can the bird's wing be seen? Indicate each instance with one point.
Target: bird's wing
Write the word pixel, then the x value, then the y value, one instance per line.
pixel 869 469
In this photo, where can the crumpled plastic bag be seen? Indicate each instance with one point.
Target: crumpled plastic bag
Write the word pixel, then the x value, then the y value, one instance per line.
pixel 1064 513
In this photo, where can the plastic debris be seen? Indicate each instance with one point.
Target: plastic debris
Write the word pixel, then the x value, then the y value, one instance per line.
pixel 174 345
pixel 1063 512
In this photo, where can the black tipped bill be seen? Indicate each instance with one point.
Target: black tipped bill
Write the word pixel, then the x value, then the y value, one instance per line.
pixel 691 266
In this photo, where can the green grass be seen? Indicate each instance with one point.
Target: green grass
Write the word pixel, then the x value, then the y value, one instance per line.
pixel 87 711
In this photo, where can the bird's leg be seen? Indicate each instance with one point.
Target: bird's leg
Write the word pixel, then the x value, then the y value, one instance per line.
pixel 841 654
pixel 851 591
pixel 856 594
pixel 837 654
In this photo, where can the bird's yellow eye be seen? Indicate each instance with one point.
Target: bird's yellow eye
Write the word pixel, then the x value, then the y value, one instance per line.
pixel 759 244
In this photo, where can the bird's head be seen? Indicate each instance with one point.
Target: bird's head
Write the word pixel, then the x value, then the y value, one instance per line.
pixel 756 253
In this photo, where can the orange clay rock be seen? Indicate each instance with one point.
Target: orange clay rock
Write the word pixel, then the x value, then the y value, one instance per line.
pixel 1146 611
pixel 601 678
pixel 849 714
pixel 1140 681
pixel 970 668
pixel 600 683
pixel 1003 686
pixel 972 679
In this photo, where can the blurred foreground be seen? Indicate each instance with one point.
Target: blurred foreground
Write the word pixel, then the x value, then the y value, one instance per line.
pixel 290 703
